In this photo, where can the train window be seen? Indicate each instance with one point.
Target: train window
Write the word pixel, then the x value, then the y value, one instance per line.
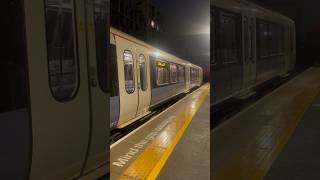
pixel 273 39
pixel 281 39
pixel 181 73
pixel 229 34
pixel 62 57
pixel 269 39
pixel 143 72
pixel 102 39
pixel 162 71
pixel 193 74
pixel 263 39
pixel 128 71
pixel 173 73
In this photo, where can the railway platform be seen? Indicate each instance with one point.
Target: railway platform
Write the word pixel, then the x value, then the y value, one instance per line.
pixel 300 157
pixel 168 145
pixel 275 138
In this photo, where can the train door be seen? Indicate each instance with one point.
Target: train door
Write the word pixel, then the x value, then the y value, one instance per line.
pixel 143 80
pixel 59 89
pixel 127 81
pixel 98 38
pixel 248 52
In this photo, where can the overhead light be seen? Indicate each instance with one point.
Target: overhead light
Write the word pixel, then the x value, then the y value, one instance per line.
pixel 153 24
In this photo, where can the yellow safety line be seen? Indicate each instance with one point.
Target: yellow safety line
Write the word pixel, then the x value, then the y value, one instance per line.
pixel 262 172
pixel 149 164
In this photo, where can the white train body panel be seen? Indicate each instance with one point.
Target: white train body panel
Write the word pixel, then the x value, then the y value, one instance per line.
pixel 137 93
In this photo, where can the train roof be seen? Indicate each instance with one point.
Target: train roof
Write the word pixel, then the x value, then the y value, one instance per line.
pixel 153 50
pixel 252 6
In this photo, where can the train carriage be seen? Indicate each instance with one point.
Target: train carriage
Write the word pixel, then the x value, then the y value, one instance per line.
pixel 58 69
pixel 144 78
pixel 54 101
pixel 250 45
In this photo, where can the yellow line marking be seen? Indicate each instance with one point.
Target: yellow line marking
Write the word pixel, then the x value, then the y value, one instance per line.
pixel 150 162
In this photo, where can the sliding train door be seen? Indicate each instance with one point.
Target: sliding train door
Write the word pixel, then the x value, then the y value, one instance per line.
pixel 98 39
pixel 59 89
pixel 128 91
pixel 143 80
pixel 249 64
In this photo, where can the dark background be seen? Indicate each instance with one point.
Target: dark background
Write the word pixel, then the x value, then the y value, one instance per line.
pixel 306 14
pixel 186 29
pixel 179 27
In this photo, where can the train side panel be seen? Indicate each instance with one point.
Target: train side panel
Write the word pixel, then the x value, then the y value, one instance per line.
pixel 162 91
pixel 146 78
pixel 265 49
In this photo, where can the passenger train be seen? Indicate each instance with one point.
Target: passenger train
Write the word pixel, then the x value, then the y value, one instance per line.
pixel 144 77
pixel 54 101
pixel 61 66
pixel 250 45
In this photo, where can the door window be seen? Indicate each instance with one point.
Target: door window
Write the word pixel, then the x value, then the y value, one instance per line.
pixel 61 49
pixel 101 22
pixel 128 71
pixel 143 72
pixel 181 73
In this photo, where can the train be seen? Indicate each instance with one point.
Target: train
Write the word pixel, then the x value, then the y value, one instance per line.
pixel 144 77
pixel 65 73
pixel 54 99
pixel 250 46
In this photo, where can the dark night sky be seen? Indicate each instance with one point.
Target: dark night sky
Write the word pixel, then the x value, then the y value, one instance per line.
pixel 186 29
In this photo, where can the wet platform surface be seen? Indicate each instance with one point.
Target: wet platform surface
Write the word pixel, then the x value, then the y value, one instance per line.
pixel 190 158
pixel 143 153
pixel 245 147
